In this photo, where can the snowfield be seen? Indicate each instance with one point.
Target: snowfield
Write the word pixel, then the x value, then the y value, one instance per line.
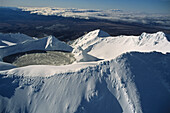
pixel 123 74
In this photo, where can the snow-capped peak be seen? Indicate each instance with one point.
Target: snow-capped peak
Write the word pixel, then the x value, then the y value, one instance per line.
pixel 152 39
pixel 53 43
pixel 49 41
pixel 101 47
pixel 98 33
pixel 47 44
pixel 90 39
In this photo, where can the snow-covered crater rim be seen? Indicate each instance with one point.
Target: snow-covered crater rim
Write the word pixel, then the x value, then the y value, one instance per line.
pixel 49 71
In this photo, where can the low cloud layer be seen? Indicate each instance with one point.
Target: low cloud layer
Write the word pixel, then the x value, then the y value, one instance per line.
pixel 113 15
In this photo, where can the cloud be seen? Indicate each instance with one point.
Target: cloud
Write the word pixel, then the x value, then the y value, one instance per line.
pixel 113 15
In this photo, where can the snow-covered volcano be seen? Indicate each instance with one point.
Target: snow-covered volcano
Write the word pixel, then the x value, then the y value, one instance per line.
pixel 128 74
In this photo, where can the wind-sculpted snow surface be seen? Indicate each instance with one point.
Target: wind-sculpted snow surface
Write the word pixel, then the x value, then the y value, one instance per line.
pixel 123 81
pixel 131 83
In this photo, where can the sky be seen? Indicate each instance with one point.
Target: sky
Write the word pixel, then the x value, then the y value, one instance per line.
pixel 153 6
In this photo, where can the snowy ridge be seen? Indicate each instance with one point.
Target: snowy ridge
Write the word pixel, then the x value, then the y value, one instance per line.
pixel 113 83
pixel 53 43
pixel 90 39
pixel 12 39
pixel 123 81
pixel 101 47
pixel 47 43
pixel 153 39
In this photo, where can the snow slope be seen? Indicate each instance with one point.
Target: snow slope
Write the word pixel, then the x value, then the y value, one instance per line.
pixel 6 66
pixel 110 47
pixel 131 83
pixel 83 56
pixel 90 39
pixel 47 43
pixel 124 81
pixel 12 39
